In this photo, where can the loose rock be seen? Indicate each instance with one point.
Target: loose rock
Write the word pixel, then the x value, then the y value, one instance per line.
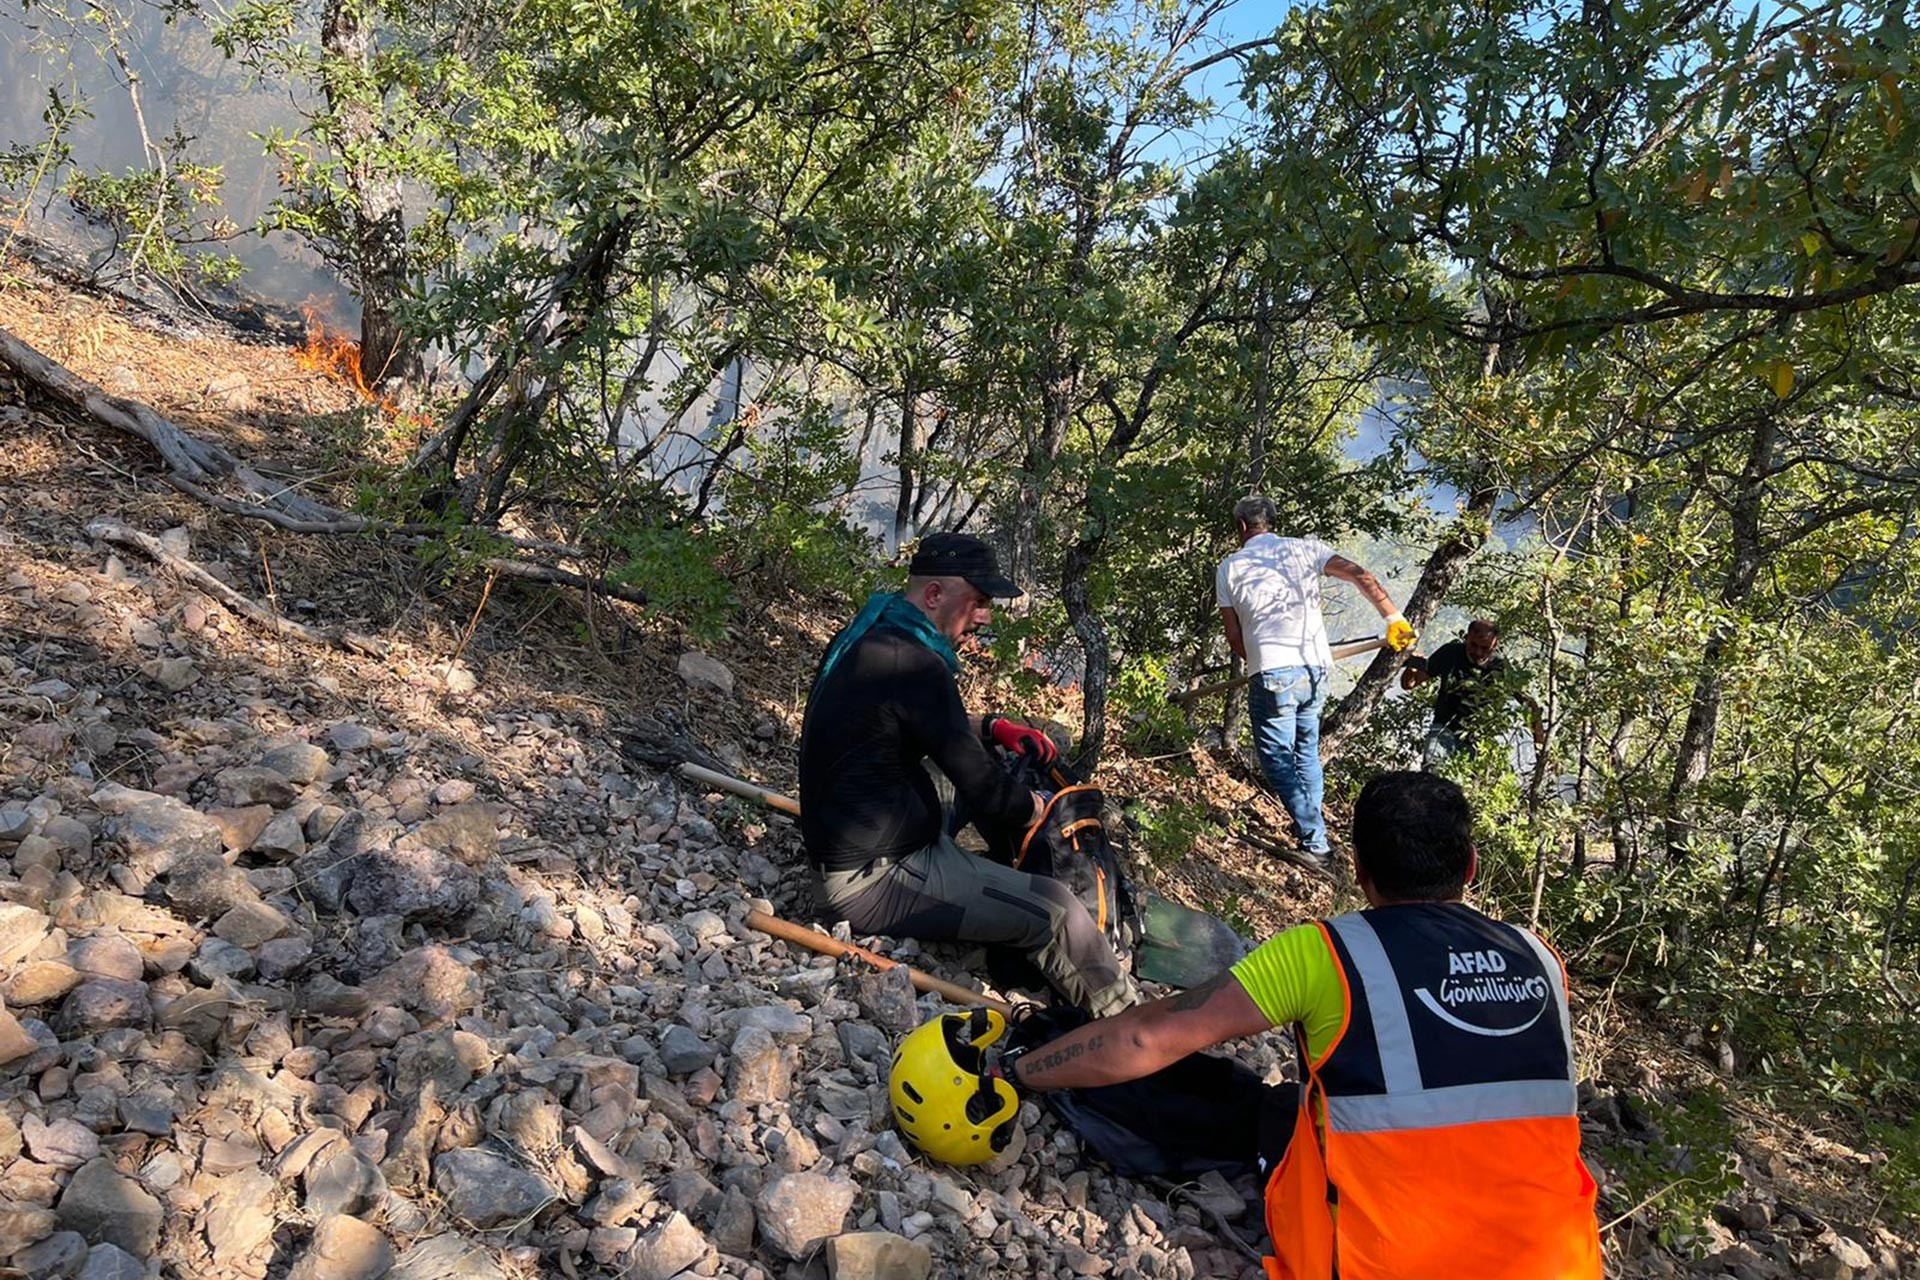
pixel 797 1211
pixel 449 1256
pixel 105 1206
pixel 484 1190
pixel 111 1262
pixel 64 1144
pixel 877 1255
pixel 102 1004
pixel 344 1248
pixel 672 1247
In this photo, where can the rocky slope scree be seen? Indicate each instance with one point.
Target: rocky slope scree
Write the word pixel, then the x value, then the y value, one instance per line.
pixel 307 1004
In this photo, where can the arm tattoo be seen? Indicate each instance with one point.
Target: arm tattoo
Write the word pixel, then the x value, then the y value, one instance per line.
pixel 1057 1058
pixel 1060 1057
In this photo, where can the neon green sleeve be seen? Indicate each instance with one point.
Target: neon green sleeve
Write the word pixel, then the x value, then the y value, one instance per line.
pixel 1293 978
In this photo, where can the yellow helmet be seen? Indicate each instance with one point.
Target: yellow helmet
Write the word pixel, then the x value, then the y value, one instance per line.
pixel 941 1101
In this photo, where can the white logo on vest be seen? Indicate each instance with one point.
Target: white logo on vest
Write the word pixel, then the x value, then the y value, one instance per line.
pixel 1479 978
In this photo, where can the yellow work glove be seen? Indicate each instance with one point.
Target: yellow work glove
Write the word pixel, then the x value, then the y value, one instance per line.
pixel 1400 634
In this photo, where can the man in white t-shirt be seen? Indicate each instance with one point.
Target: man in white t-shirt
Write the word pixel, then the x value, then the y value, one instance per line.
pixel 1269 598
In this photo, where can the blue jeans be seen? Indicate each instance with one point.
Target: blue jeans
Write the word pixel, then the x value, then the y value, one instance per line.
pixel 1285 705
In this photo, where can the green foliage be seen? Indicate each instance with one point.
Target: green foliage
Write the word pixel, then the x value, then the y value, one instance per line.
pixel 677 568
pixel 784 526
pixel 1899 1176
pixel 1149 723
pixel 1682 1172
pixel 25 164
pixel 1168 830
pixel 165 213
pixel 1025 648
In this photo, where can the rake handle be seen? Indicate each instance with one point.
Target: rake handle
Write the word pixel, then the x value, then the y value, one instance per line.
pixel 800 935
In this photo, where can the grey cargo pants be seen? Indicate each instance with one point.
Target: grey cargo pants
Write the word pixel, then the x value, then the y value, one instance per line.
pixel 942 893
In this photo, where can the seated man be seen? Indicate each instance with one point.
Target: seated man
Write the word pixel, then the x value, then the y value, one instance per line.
pixel 1475 686
pixel 884 702
pixel 1437 1135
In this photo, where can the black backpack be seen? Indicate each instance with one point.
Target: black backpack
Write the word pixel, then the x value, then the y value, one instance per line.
pixel 1073 844
pixel 1201 1113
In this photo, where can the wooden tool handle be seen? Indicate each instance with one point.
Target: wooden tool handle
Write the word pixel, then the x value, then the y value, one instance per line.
pixel 1354 648
pixel 826 945
pixel 741 787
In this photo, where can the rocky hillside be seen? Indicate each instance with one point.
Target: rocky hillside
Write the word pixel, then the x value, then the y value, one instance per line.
pixel 337 966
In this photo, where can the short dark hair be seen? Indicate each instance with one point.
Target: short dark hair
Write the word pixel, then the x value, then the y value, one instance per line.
pixel 1413 835
pixel 1484 624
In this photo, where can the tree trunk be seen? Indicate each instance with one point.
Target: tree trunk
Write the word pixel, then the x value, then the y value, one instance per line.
pixel 1262 426
pixel 1443 567
pixel 1092 634
pixel 1056 400
pixel 1622 828
pixel 375 217
pixel 909 450
pixel 1694 755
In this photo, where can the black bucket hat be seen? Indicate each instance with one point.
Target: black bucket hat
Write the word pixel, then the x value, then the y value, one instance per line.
pixel 961 555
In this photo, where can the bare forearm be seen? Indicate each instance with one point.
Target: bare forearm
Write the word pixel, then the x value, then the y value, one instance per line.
pixel 1365 583
pixel 1103 1052
pixel 1369 586
pixel 1236 640
pixel 1144 1039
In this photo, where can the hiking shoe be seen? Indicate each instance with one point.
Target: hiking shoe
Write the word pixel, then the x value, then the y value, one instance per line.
pixel 1320 863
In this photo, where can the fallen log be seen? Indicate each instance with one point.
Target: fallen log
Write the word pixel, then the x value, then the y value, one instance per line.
pixel 191 458
pixel 109 530
pixel 800 935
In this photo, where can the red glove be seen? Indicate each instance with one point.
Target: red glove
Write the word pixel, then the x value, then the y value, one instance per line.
pixel 1023 739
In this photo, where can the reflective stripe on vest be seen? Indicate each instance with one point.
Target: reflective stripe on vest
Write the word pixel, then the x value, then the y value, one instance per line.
pixel 1458 1104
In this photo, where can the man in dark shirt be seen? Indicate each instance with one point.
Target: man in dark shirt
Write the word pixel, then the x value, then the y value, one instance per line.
pixel 884 702
pixel 1475 687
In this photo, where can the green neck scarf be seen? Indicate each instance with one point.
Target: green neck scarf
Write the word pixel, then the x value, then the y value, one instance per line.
pixel 888 608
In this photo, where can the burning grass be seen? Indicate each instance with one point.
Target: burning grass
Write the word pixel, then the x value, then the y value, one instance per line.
pixel 336 356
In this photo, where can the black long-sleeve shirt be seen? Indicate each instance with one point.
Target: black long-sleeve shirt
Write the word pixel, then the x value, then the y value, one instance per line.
pixel 887 706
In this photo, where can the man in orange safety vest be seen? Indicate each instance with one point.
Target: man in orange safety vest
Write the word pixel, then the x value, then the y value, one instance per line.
pixel 1436 1133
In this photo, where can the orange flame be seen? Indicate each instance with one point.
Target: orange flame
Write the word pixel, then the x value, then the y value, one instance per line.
pixel 338 357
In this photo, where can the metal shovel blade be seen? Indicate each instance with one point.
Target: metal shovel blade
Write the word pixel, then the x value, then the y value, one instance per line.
pixel 1183 947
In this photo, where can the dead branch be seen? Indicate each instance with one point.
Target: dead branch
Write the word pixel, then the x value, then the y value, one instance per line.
pixel 564 578
pixel 110 530
pixel 194 460
pixel 346 524
pixel 193 464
